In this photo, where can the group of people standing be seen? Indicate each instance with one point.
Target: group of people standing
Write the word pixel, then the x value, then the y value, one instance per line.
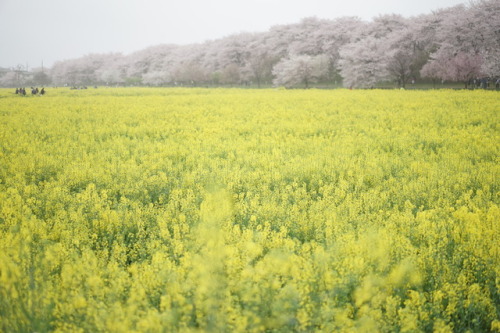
pixel 484 83
pixel 34 91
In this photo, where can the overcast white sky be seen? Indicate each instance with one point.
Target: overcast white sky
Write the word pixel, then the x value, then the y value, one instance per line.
pixel 32 31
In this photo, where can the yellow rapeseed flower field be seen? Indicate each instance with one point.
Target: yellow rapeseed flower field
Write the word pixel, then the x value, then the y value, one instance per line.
pixel 230 210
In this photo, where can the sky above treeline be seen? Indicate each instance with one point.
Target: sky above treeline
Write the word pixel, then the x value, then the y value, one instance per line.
pixel 45 31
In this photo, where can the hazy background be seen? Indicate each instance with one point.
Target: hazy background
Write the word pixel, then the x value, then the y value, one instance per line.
pixel 50 30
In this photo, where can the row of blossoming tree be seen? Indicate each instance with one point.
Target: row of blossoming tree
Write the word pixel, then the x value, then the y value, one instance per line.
pixel 458 44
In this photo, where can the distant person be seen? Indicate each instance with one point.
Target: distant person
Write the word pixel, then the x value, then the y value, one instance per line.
pixel 17 91
pixel 23 91
pixel 42 92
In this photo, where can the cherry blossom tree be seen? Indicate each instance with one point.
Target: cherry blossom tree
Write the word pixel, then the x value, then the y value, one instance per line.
pixel 406 53
pixel 152 59
pixel 471 35
pixel 10 79
pixel 434 70
pixel 385 25
pixel 464 67
pixel 259 67
pixel 305 39
pixel 363 63
pixel 112 76
pixel 333 36
pixel 460 67
pixel 300 70
pixel 189 74
pixel 399 66
pixel 156 78
pixel 82 71
pixel 486 14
